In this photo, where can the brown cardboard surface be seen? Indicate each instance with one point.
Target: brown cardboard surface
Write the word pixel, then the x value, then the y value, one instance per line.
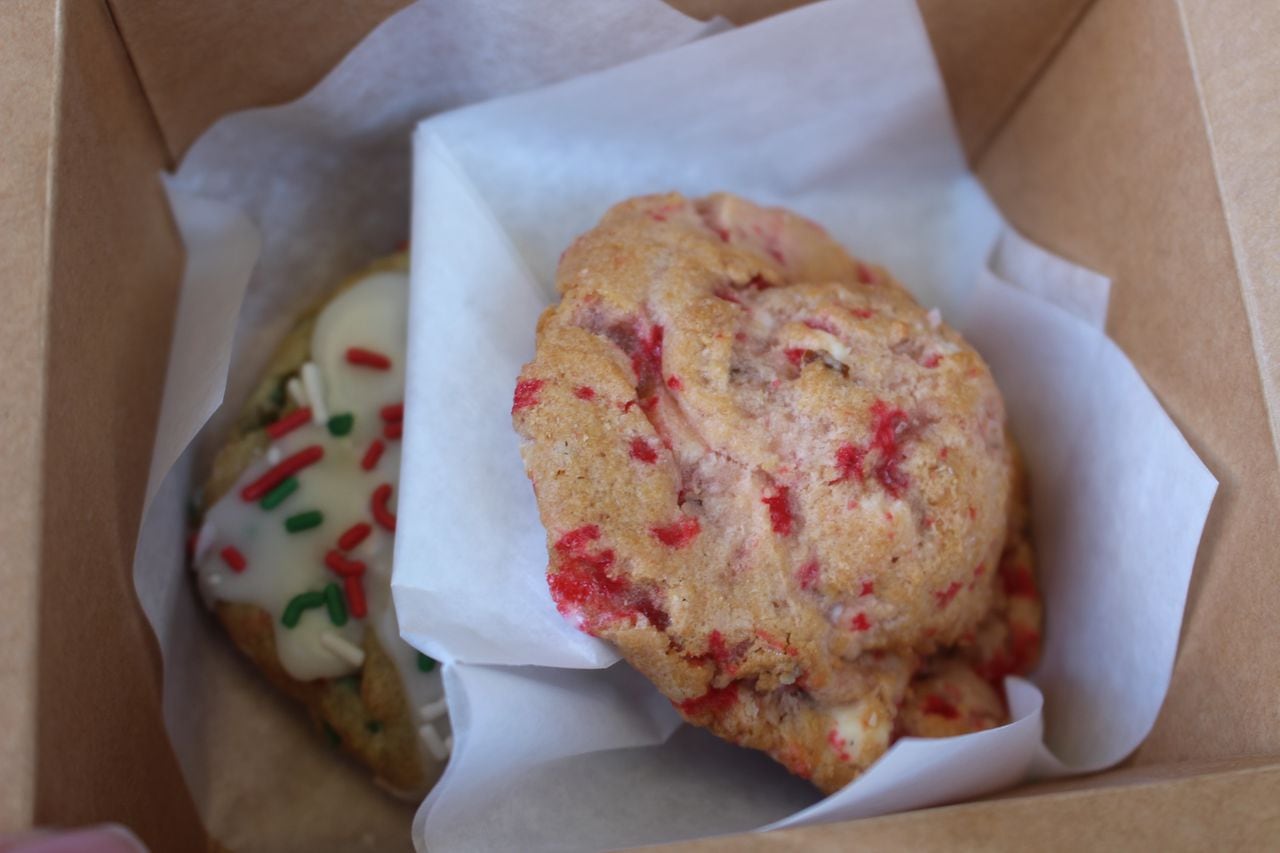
pixel 989 52
pixel 28 67
pixel 198 61
pixel 1107 162
pixel 1239 78
pixel 1091 135
pixel 112 273
pixel 1234 810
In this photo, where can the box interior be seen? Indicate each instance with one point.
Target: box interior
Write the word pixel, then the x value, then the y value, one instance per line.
pixel 1113 133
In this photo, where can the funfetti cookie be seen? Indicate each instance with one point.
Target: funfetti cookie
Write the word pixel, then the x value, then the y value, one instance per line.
pixel 294 550
pixel 777 484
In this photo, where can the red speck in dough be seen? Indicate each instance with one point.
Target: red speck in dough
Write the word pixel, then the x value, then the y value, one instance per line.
pixel 1025 645
pixel 1019 581
pixel 807 575
pixel 674 383
pixel 714 702
pixel 679 533
pixel 944 596
pixel 821 324
pixel 838 745
pixel 868 588
pixel 641 450
pixel 864 273
pixel 937 705
pixel 889 422
pixel 582 585
pixel 779 511
pixel 860 623
pixel 933 360
pixel 849 459
pixel 646 358
pixel 795 355
pixel 726 294
pixel 862 313
pixel 526 394
pixel 584 392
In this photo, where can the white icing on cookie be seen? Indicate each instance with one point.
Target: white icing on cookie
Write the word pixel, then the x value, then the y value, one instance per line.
pixel 280 565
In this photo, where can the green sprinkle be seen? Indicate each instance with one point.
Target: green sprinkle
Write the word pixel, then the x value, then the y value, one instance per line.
pixel 304 521
pixel 333 601
pixel 373 727
pixel 340 425
pixel 331 735
pixel 425 664
pixel 277 393
pixel 276 496
pixel 304 601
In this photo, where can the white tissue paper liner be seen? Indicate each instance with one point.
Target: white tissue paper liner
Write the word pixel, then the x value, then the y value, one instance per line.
pixel 299 196
pixel 835 110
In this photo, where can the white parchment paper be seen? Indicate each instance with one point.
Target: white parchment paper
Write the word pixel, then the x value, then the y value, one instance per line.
pixel 835 110
pixel 287 201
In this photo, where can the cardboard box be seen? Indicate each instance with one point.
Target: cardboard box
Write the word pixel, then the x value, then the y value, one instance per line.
pixel 1141 139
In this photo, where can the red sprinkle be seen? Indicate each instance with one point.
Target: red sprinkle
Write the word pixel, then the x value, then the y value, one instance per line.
pixel 714 702
pixel 285 469
pixel 584 392
pixel 393 412
pixel 860 623
pixel 233 558
pixel 368 358
pixel 937 705
pixel 354 535
pixel 289 422
pixel 1019 581
pixel 779 511
pixel 392 430
pixel 868 588
pixel 355 596
pixel 526 394
pixel 641 450
pixel 679 533
pixel 372 455
pixel 808 575
pixel 378 506
pixel 343 567
pixel 944 596
pixel 674 383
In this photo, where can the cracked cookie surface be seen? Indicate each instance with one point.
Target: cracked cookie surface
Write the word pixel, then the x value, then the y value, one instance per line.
pixel 776 483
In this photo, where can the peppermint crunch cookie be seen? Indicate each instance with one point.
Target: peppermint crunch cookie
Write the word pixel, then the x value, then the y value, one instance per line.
pixel 777 484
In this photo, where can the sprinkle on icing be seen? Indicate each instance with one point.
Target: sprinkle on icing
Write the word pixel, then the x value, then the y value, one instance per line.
pixel 371 359
pixel 314 383
pixel 322 569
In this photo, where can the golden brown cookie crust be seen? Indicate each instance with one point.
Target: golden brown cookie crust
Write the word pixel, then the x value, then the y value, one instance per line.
pixel 767 475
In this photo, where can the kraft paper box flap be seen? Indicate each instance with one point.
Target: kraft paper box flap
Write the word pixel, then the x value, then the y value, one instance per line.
pixel 110 273
pixel 1107 162
pixel 1075 175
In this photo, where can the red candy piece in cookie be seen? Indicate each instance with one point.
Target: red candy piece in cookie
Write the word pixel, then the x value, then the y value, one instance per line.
pixel 679 533
pixel 526 394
